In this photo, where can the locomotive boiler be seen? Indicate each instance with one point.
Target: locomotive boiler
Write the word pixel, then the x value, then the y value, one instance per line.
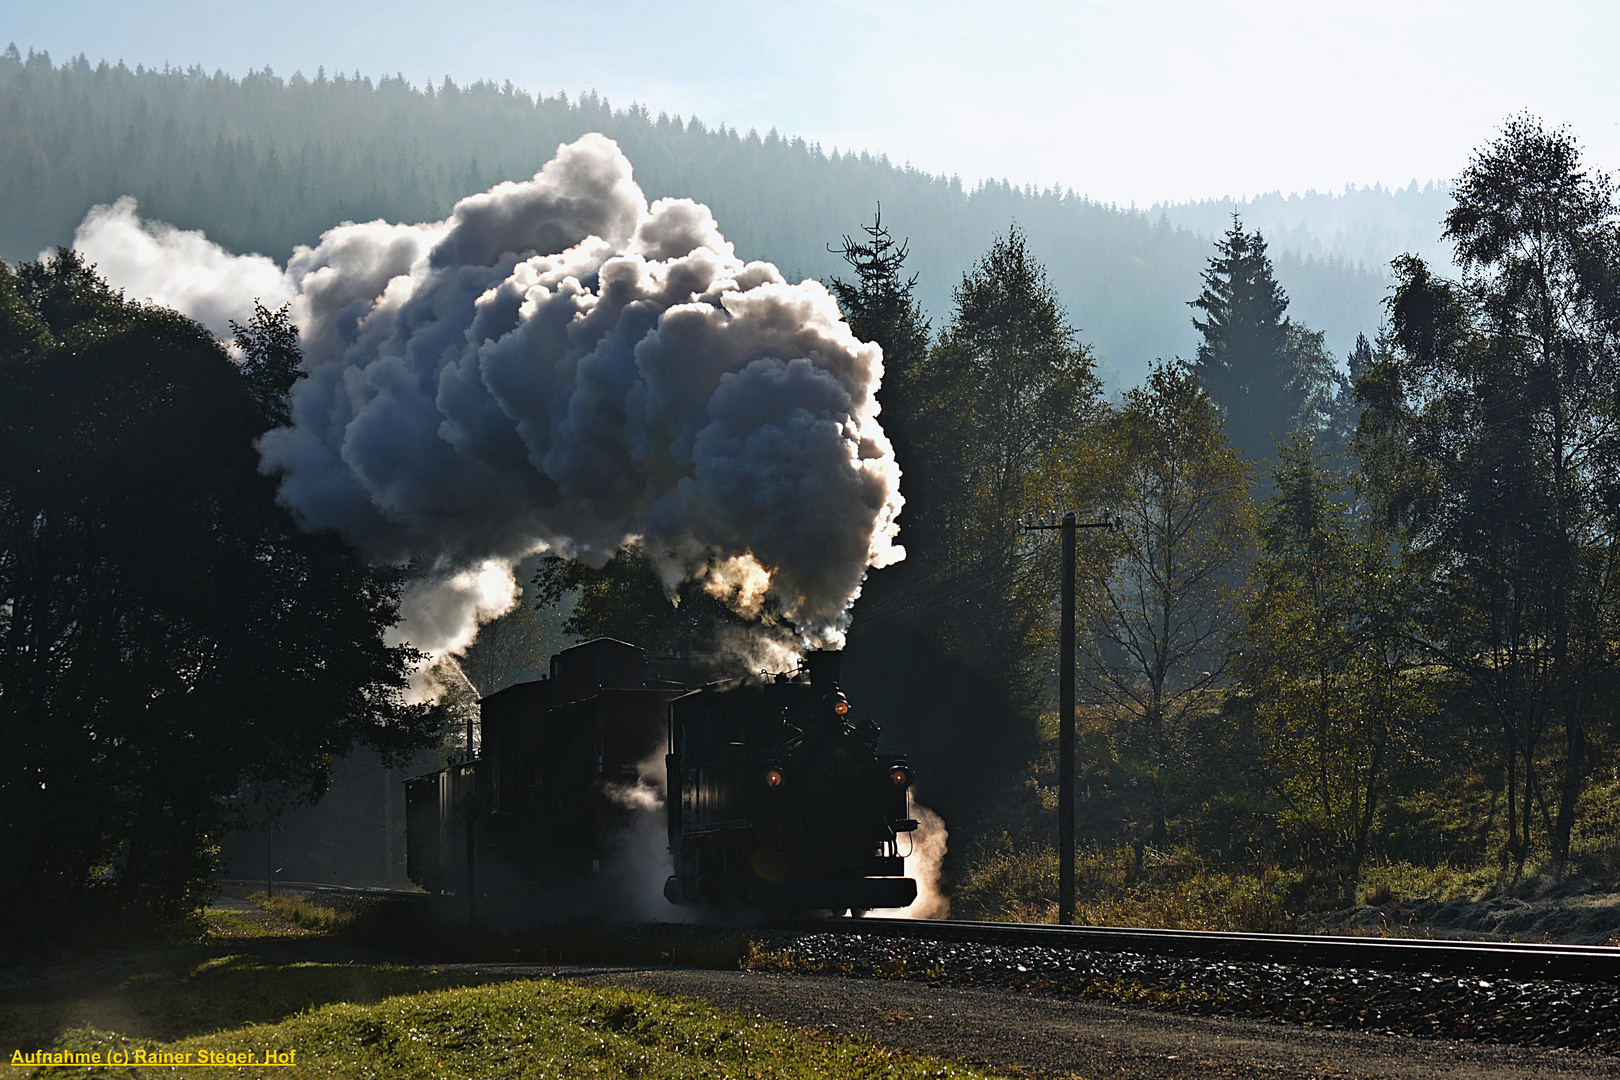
pixel 775 795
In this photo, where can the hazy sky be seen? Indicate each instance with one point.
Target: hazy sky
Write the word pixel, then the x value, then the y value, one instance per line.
pixel 1122 101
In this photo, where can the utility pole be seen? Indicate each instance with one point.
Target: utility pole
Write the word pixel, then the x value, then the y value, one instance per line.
pixel 1066 706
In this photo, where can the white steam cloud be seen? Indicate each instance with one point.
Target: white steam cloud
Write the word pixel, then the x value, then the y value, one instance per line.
pixel 178 268
pixel 559 366
pixel 924 865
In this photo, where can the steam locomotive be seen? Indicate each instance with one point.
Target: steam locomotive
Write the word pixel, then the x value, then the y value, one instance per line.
pixel 774 794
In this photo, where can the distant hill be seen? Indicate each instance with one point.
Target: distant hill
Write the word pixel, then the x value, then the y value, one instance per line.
pixel 263 163
pixel 1361 225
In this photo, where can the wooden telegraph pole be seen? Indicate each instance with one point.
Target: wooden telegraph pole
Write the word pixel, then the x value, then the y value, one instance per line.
pixel 1067 527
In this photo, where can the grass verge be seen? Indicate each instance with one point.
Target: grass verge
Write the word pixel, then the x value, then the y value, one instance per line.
pixel 296 909
pixel 1173 889
pixel 1176 889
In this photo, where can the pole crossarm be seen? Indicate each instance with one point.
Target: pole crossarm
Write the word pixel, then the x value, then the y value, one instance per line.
pixel 1068 526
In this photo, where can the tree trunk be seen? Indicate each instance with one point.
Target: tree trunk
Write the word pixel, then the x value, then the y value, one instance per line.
pixel 1161 834
pixel 1364 822
pixel 1575 753
pixel 1512 794
pixel 1160 762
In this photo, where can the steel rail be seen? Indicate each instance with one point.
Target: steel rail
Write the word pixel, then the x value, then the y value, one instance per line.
pixel 1501 959
pixel 316 886
pixel 1440 957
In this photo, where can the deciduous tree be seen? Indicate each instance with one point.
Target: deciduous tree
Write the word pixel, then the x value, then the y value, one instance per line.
pixel 1165 611
pixel 168 635
pixel 626 599
pixel 958 625
pixel 1492 432
pixel 1328 661
pixel 1008 384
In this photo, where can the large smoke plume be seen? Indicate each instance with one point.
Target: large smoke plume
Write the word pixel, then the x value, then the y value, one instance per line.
pixel 559 366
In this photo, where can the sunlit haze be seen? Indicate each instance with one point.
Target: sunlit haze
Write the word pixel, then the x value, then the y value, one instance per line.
pixel 1123 102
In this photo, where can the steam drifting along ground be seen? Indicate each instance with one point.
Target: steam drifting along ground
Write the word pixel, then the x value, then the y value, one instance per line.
pixel 924 863
pixel 558 366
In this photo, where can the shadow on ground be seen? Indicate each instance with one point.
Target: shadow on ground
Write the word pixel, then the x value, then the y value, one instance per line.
pixel 197 990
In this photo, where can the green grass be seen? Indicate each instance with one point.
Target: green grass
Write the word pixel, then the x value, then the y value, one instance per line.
pixel 1385 881
pixel 1595 845
pixel 360 1022
pixel 1172 889
pixel 296 909
pixel 1176 889
pixel 229 925
pixel 194 991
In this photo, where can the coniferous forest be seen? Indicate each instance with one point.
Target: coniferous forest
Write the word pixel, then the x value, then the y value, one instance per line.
pixel 1354 642
pixel 264 163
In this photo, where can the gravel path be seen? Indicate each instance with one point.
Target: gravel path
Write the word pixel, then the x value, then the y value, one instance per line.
pixel 1021 1034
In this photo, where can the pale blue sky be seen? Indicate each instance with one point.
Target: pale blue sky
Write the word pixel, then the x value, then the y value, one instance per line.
pixel 1122 101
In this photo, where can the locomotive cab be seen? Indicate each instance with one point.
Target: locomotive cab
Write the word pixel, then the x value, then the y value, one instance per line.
pixel 779 799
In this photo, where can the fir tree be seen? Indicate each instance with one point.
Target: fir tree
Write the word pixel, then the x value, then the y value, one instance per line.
pixel 1246 361
pixel 881 306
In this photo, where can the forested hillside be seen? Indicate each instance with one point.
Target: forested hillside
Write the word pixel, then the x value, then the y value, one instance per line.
pixel 264 163
pixel 1350 635
pixel 1364 226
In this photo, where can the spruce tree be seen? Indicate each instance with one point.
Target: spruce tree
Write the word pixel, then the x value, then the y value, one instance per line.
pixel 881 306
pixel 1245 360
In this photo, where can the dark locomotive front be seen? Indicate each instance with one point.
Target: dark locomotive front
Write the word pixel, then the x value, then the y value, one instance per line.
pixel 779 799
pixel 776 795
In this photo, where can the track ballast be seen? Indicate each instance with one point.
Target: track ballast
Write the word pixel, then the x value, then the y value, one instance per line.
pixel 1498 959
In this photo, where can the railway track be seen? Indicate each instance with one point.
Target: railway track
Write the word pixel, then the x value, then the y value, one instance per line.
pixel 1498 959
pixel 1487 959
pixel 317 886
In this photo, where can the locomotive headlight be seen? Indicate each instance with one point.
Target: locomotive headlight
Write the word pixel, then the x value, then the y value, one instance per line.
pixel 841 707
pixel 900 775
pixel 774 778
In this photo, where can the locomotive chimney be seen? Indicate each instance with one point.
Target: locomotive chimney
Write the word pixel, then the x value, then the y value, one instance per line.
pixel 823 665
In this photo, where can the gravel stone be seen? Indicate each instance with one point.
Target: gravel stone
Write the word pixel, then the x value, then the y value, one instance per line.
pixel 1542 1013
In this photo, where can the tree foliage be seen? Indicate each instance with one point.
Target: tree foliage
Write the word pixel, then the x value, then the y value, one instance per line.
pixel 1269 375
pixel 1164 616
pixel 881 306
pixel 271 359
pixel 1328 660
pixel 1492 433
pixel 167 634
pixel 627 599
pixel 949 639
pixel 1008 386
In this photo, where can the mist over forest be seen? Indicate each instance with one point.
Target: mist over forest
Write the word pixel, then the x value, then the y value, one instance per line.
pixel 264 163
